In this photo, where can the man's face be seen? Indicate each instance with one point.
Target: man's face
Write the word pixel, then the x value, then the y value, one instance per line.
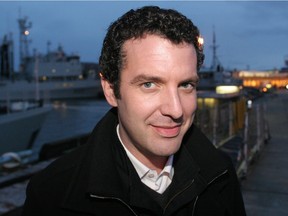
pixel 158 96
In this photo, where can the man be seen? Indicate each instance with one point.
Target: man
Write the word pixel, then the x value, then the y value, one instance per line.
pixel 145 157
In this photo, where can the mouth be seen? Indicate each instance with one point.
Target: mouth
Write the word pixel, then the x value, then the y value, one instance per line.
pixel 168 131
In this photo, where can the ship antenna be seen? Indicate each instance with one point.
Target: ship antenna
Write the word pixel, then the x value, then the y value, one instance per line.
pixel 216 65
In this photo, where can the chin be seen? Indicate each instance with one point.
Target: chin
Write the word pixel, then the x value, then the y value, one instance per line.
pixel 167 152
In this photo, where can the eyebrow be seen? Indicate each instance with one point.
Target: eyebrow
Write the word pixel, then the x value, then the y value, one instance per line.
pixel 143 78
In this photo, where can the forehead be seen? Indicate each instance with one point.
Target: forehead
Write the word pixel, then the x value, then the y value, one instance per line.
pixel 148 39
pixel 153 50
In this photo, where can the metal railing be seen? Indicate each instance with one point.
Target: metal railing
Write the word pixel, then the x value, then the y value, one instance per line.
pixel 236 129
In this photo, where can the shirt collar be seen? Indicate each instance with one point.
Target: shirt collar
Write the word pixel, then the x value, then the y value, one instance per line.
pixel 141 169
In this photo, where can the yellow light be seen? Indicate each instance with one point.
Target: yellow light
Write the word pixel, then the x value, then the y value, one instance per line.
pixel 206 102
pixel 210 102
pixel 268 86
pixel 200 40
pixel 227 89
pixel 264 89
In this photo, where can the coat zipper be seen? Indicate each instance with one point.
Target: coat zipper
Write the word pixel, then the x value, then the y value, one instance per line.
pixel 194 205
pixel 177 195
pixel 221 174
pixel 214 179
pixel 113 198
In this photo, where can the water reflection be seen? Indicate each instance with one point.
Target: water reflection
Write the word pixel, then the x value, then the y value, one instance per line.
pixel 70 118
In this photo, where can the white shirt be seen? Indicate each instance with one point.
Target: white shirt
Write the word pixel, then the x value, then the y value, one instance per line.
pixel 149 177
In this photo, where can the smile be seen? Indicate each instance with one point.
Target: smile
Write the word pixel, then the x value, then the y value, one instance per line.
pixel 167 132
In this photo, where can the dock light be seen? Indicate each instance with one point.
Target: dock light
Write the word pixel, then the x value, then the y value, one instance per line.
pixel 268 86
pixel 287 86
pixel 227 89
pixel 249 104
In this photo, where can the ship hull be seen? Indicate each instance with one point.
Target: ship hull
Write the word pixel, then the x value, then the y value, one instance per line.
pixel 18 130
pixel 23 90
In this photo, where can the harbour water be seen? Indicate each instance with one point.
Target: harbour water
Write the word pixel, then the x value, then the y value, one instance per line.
pixel 70 118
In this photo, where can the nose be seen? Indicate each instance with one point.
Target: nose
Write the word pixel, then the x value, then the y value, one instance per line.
pixel 171 105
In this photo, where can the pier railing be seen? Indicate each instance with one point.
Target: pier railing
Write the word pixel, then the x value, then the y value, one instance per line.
pixel 257 130
pixel 236 129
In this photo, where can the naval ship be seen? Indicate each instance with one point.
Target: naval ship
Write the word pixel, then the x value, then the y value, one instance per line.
pixel 49 76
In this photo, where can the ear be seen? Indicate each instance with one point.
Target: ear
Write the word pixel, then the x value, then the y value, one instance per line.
pixel 108 92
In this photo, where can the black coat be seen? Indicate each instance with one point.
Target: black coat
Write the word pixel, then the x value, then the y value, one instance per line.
pixel 98 179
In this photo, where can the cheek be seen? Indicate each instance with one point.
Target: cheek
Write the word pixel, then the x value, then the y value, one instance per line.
pixel 189 105
pixel 143 105
pixel 135 109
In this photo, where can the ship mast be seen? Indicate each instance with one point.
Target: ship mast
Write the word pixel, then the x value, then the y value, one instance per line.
pixel 216 65
pixel 24 42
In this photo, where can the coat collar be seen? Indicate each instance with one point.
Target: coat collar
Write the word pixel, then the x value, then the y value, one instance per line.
pixel 204 153
pixel 98 173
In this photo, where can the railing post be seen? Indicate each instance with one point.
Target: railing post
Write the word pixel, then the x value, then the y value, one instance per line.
pixel 231 119
pixel 215 124
pixel 245 143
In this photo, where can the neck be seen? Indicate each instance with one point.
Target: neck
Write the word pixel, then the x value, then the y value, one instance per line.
pixel 155 163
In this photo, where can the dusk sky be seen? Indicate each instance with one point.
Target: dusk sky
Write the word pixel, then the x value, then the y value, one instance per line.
pixel 249 34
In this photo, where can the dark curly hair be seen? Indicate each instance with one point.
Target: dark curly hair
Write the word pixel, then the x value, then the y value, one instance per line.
pixel 134 24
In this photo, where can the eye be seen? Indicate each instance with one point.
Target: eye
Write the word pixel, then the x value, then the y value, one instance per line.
pixel 188 85
pixel 148 85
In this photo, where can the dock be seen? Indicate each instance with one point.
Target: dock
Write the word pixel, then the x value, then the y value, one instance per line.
pixel 265 189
